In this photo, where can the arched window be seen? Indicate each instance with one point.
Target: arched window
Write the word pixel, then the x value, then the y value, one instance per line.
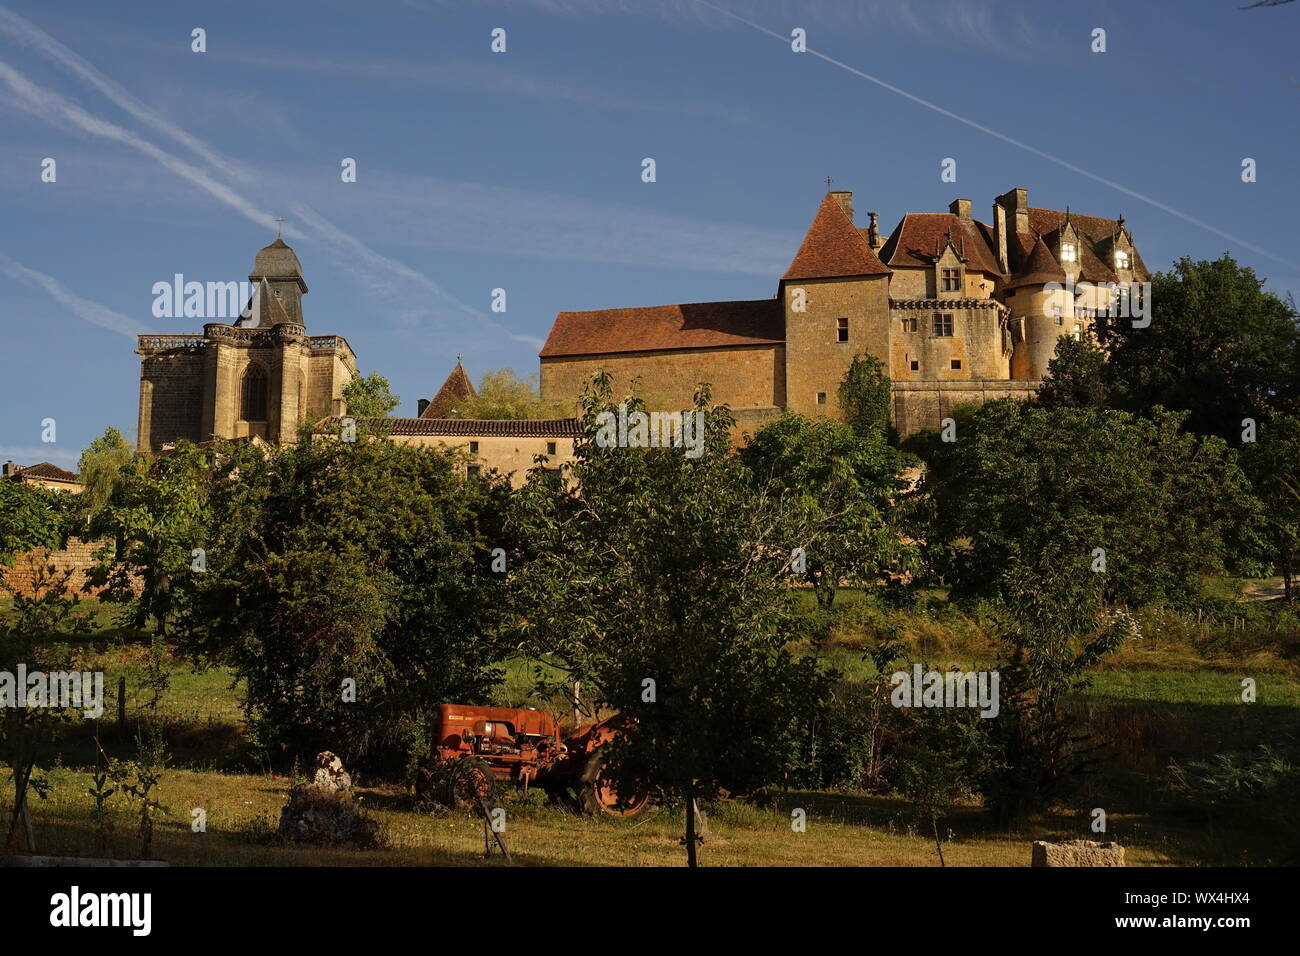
pixel 254 394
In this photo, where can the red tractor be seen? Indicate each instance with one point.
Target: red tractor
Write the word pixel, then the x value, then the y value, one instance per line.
pixel 476 748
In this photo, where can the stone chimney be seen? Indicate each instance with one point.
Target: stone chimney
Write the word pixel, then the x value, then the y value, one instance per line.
pixel 1016 202
pixel 421 406
pixel 961 209
pixel 845 198
pixel 873 234
pixel 1000 237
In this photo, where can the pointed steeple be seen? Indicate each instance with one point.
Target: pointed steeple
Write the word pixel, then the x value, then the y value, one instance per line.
pixel 277 267
pixel 455 389
pixel 833 247
pixel 1039 268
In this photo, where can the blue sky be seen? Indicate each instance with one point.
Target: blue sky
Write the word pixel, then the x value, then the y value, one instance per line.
pixel 522 170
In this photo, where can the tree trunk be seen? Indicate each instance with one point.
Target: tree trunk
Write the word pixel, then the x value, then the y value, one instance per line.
pixel 690 828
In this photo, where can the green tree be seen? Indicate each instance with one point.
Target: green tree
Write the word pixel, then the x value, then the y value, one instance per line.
pixel 155 520
pixel 1152 507
pixel 369 397
pixel 847 482
pixel 100 467
pixel 350 587
pixel 1076 376
pixel 504 395
pixel 660 582
pixel 1219 346
pixel 32 517
pixel 1273 464
pixel 866 395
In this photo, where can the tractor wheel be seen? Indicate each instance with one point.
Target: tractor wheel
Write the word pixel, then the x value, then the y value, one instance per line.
pixel 470 780
pixel 596 793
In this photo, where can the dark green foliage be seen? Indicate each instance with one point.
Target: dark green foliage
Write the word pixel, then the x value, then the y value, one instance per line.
pixel 32 517
pixel 846 483
pixel 331 561
pixel 1272 462
pixel 1076 376
pixel 1219 346
pixel 1025 488
pixel 866 395
pixel 658 567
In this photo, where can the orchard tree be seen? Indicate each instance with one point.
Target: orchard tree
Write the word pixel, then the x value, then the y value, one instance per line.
pixel 352 586
pixel 660 581
pixel 848 482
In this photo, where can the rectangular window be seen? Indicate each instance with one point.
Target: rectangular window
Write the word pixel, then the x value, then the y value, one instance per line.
pixel 956 364
pixel 916 366
pixel 951 280
pixel 472 471
pixel 1069 253
pixel 821 398
pixel 473 448
pixel 1121 259
pixel 909 323
pixel 550 448
pixel 942 324
pixel 842 329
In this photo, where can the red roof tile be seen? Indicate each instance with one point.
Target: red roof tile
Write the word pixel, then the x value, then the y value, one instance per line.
pixel 47 471
pixel 691 326
pixel 476 427
pixel 1039 268
pixel 457 388
pixel 920 236
pixel 833 247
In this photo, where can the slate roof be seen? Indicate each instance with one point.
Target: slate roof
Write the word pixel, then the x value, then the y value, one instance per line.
pixel 691 326
pixel 1038 268
pixel 832 247
pixel 1095 233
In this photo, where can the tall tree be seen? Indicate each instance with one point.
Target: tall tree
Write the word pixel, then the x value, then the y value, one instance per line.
pixel 504 395
pixel 1219 347
pixel 1076 376
pixel 848 482
pixel 660 581
pixel 866 394
pixel 370 397
pixel 1273 464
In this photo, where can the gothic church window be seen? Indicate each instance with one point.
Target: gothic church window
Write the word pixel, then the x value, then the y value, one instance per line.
pixel 254 394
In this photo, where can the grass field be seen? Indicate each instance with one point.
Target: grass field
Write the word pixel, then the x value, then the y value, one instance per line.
pixel 1172 698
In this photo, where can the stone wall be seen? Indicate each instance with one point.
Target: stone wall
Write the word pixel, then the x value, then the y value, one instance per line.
pixel 77 556
pixel 743 376
pixel 922 405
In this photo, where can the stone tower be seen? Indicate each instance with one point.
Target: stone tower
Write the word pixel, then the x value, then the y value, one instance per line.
pixel 259 379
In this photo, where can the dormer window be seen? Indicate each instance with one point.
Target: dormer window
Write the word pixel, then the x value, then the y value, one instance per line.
pixel 950 280
pixel 1121 259
pixel 1069 252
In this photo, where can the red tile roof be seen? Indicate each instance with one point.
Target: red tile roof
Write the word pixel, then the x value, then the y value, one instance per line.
pixel 457 388
pixel 921 236
pixel 1095 256
pixel 475 427
pixel 833 247
pixel 48 472
pixel 691 326
pixel 1039 268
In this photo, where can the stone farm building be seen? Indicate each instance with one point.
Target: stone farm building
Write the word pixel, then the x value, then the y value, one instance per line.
pixel 957 309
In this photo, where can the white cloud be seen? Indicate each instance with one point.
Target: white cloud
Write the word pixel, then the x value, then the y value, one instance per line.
pixel 85 309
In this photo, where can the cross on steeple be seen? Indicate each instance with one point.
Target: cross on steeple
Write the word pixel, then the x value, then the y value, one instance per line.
pixel 279 230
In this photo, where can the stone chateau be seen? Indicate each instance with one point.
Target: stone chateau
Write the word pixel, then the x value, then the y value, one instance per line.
pixel 957 309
